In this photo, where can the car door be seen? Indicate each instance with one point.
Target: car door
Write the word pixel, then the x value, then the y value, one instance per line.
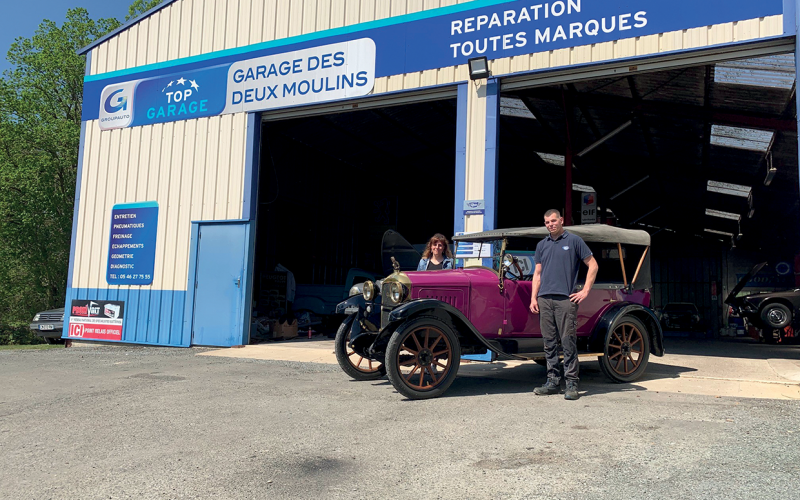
pixel 519 321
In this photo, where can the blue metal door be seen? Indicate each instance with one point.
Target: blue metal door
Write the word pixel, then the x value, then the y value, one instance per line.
pixel 219 285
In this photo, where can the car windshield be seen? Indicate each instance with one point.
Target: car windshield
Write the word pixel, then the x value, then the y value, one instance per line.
pixel 524 249
pixel 677 308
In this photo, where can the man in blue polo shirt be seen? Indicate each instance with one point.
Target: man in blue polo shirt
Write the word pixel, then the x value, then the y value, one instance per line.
pixel 553 296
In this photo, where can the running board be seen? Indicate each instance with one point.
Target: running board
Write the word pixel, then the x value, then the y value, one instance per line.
pixel 541 356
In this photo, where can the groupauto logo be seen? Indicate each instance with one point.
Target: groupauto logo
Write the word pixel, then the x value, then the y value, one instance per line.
pixel 121 103
pixel 117 105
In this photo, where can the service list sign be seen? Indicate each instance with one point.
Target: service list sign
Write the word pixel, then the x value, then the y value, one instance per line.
pixel 132 244
pixel 96 319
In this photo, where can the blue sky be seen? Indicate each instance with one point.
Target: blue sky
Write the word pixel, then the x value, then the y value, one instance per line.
pixel 22 17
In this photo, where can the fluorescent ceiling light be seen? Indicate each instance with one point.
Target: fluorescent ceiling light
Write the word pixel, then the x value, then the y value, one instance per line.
pixel 724 215
pixel 552 159
pixel 583 188
pixel 741 138
pixel 512 106
pixel 727 188
pixel 773 71
pixel 723 233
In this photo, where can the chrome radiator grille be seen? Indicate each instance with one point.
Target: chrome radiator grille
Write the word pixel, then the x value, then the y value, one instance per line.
pixel 386 298
pixel 387 304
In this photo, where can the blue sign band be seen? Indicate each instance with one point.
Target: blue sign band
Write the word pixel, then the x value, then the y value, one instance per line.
pixel 140 204
pixel 448 37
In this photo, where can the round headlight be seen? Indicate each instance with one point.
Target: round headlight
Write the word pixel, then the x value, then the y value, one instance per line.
pixel 369 290
pixel 354 290
pixel 397 292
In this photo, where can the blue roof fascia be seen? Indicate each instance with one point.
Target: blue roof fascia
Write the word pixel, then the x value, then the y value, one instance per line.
pixel 352 28
pixel 125 26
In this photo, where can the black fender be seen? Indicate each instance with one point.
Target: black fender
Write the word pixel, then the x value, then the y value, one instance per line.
pixel 356 321
pixel 614 314
pixel 446 312
pixel 354 300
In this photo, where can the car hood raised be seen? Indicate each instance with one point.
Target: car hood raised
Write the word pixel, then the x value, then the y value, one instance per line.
pixel 394 245
pixel 739 286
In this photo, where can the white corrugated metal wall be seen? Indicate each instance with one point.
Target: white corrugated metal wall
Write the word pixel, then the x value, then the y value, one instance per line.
pixel 192 27
pixel 194 169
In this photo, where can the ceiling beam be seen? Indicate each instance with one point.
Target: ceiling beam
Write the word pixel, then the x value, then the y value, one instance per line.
pixel 675 110
pixel 648 138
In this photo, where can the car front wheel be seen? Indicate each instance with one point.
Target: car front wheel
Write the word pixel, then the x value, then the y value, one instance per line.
pixel 351 362
pixel 626 352
pixel 422 358
pixel 776 315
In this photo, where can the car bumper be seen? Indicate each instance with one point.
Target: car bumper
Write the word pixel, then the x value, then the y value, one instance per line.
pixel 48 329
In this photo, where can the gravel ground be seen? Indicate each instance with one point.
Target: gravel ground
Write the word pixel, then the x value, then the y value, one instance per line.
pixel 137 422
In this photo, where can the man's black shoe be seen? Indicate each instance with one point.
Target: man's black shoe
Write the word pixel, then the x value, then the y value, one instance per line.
pixel 572 390
pixel 550 387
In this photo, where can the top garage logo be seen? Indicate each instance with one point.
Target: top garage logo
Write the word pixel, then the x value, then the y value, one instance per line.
pixel 181 97
pixel 116 105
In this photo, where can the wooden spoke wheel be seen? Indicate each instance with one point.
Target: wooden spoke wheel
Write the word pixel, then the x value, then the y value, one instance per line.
pixel 350 361
pixel 423 357
pixel 627 350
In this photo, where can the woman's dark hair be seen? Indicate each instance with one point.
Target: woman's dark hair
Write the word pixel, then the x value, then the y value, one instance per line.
pixel 440 238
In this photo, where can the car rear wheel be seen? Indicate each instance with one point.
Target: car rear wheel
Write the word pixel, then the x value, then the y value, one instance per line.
pixel 422 358
pixel 627 350
pixel 776 315
pixel 351 362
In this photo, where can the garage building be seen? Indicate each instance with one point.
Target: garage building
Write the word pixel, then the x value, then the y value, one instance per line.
pixel 222 138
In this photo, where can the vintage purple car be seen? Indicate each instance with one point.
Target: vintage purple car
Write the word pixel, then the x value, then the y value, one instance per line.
pixel 430 319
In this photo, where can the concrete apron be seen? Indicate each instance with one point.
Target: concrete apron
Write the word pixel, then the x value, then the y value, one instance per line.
pixel 730 368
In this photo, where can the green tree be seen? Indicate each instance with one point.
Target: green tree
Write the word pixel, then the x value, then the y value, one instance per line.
pixel 40 117
pixel 139 7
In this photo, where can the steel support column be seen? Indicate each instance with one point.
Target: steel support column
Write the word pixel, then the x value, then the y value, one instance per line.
pixel 461 158
pixel 568 161
pixel 797 61
pixel 491 159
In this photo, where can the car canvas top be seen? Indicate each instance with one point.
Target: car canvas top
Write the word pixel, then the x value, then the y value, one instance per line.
pixel 599 233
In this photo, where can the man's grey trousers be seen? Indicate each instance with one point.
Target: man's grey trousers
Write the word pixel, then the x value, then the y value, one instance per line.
pixel 558 318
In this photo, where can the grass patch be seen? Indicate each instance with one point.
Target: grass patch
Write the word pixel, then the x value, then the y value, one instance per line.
pixel 34 346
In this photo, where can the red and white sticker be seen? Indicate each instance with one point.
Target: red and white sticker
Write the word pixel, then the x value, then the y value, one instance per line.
pixel 96 320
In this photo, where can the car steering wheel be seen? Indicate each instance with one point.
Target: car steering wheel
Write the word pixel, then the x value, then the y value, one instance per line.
pixel 519 275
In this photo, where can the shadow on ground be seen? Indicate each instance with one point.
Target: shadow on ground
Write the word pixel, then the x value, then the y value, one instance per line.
pixel 478 379
pixel 743 348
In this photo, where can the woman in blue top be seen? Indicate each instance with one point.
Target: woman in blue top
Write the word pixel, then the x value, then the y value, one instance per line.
pixel 437 254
